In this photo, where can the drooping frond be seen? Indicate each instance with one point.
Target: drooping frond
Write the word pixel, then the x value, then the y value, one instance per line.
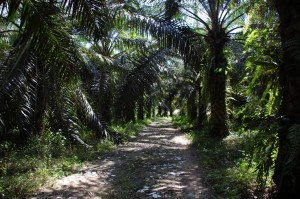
pixel 91 15
pixel 28 103
pixel 14 82
pixel 140 78
pixel 87 113
pixel 63 117
pixel 51 38
pixel 171 34
pixel 43 27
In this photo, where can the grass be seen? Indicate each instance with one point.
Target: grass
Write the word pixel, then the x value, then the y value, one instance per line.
pixel 226 163
pixel 131 129
pixel 44 158
pixel 25 169
pixel 228 172
pixel 182 122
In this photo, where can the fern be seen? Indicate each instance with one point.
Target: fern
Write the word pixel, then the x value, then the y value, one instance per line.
pixel 262 149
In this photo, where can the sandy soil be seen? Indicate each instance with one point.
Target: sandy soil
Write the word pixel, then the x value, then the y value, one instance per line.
pixel 158 163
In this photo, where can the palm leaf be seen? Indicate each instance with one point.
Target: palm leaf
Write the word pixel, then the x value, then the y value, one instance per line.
pixel 15 84
pixel 63 116
pixel 87 113
pixel 140 78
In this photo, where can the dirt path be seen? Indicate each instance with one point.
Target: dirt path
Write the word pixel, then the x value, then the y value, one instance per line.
pixel 157 164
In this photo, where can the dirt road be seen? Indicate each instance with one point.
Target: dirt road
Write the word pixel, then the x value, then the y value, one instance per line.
pixel 158 163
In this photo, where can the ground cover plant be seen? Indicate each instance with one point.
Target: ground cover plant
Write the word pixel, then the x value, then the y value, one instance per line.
pixel 233 167
pixel 48 157
pixel 74 74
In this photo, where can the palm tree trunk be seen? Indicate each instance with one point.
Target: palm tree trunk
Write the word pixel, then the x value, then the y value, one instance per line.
pixel 41 102
pixel 149 109
pixel 153 110
pixel 129 113
pixel 216 86
pixel 169 104
pixel 201 108
pixel 160 109
pixel 287 165
pixel 192 107
pixel 106 107
pixel 170 109
pixel 141 108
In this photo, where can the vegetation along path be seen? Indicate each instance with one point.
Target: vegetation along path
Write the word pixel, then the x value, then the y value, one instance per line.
pixel 158 163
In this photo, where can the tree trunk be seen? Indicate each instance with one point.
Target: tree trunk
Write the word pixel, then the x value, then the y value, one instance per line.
pixel 153 110
pixel 129 113
pixel 191 107
pixel 160 109
pixel 149 109
pixel 169 104
pixel 287 165
pixel 216 86
pixel 141 108
pixel 106 107
pixel 41 102
pixel 201 109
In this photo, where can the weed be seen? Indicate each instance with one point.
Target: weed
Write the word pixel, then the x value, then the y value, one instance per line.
pixel 105 146
pixel 130 130
pixel 50 156
pixel 226 164
pixel 182 122
pixel 228 173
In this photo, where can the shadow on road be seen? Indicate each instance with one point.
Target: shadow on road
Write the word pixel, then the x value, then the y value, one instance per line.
pixel 158 163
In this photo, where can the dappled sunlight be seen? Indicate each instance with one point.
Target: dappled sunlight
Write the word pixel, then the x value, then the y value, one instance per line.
pixel 181 139
pixel 88 183
pixel 158 163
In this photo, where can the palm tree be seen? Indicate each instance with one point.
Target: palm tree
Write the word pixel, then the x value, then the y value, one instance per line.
pixel 40 77
pixel 139 80
pixel 216 32
pixel 188 41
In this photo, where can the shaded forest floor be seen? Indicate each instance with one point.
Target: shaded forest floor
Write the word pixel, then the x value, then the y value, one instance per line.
pixel 158 163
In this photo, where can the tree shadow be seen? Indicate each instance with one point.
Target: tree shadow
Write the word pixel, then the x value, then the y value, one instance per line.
pixel 154 165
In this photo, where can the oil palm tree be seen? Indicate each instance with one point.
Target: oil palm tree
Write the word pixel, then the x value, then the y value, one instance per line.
pixel 140 80
pixel 40 77
pixel 216 31
pixel 215 27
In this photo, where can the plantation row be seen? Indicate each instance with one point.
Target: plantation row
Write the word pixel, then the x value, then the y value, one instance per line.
pixel 74 74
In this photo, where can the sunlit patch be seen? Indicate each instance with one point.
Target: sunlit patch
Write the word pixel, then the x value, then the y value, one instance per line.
pixel 156 164
pixel 181 139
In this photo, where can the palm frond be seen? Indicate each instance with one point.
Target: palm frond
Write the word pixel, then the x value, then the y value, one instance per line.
pixel 43 27
pixel 91 15
pixel 87 113
pixel 28 102
pixel 62 114
pixel 140 78
pixel 15 83
pixel 52 38
pixel 171 34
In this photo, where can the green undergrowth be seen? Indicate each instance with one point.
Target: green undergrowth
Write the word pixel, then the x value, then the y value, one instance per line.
pixel 49 156
pixel 182 122
pixel 228 173
pixel 131 129
pixel 229 170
